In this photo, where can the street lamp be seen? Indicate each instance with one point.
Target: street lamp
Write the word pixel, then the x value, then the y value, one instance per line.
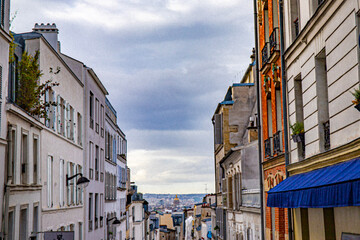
pixel 115 223
pixel 82 182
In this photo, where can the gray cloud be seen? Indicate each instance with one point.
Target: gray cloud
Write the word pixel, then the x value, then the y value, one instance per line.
pixel 166 65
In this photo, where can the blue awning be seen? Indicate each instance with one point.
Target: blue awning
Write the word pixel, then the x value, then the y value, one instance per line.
pixel 334 186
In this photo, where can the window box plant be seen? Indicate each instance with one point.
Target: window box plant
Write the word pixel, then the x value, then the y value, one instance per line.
pixel 356 102
pixel 297 132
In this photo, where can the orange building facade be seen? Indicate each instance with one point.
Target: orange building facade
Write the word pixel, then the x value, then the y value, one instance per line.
pixel 276 219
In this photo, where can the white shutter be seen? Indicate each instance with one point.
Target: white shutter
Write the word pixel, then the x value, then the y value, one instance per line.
pixel 68 120
pixel 61 183
pixel 65 119
pixel 68 187
pixel 74 117
pixel 74 186
pixel 48 182
pixel 58 114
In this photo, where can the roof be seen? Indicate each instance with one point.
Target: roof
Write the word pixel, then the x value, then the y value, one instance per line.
pixel 97 80
pixel 167 220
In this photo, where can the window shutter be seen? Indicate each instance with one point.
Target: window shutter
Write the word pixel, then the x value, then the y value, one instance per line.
pixel 74 186
pixel 68 187
pixel 74 115
pixel 65 118
pixel 68 120
pixel 61 183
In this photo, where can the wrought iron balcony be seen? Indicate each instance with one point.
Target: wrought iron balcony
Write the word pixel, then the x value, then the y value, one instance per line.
pixel 268 147
pixel 277 142
pixel 274 41
pixel 326 135
pixel 265 54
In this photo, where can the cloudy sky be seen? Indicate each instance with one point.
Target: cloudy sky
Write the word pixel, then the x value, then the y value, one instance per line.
pixel 166 65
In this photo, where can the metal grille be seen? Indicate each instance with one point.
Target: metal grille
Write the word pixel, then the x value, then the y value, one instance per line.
pixel 277 142
pixel 267 144
pixel 265 53
pixel 274 41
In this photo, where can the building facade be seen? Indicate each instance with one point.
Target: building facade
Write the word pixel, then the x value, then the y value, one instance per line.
pixel 322 68
pixel 5 40
pixel 274 170
pixel 95 94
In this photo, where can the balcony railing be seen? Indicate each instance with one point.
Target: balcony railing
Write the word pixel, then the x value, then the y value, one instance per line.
pixel 278 142
pixel 326 135
pixel 268 147
pixel 274 41
pixel 265 54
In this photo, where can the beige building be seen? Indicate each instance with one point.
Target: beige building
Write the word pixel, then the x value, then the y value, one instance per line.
pixel 4 68
pixel 322 68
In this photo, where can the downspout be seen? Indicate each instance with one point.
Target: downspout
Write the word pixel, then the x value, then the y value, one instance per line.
pixel 284 99
pixel 257 83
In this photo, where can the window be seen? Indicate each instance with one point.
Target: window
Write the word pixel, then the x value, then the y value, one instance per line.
pixel 68 121
pixel 23 234
pixel 218 129
pixel 102 159
pixel 63 117
pixel 299 113
pixel 97 163
pixel 102 119
pixel 58 114
pixel 91 110
pixel 36 219
pixel 275 13
pixel 79 191
pixel 90 212
pixel 35 159
pixel 11 225
pixel 72 124
pixel 91 154
pixel 96 210
pixel 322 101
pixel 47 108
pixel 12 154
pixel 80 231
pixel 53 111
pixel 97 115
pixel 2 13
pixel 106 145
pixel 50 182
pixel 24 158
pixel 79 130
pixel 294 19
pixel 230 192
pixel 329 223
pixel 73 186
pixel 273 228
pixel 62 182
pixel 101 209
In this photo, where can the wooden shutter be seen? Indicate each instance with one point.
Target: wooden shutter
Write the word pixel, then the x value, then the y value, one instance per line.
pixel 74 117
pixel 47 109
pixel 58 113
pixel 54 108
pixel 68 187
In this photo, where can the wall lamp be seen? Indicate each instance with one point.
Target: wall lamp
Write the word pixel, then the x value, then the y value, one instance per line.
pixel 82 182
pixel 116 221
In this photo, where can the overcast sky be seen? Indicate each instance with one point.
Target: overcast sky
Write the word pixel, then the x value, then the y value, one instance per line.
pixel 166 65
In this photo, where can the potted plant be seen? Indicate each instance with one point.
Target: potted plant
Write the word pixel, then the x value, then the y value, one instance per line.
pixel 297 132
pixel 356 94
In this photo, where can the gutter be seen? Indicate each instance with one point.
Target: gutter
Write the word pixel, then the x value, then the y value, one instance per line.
pixel 257 83
pixel 285 113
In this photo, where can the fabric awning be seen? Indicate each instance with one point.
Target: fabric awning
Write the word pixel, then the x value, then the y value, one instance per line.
pixel 334 186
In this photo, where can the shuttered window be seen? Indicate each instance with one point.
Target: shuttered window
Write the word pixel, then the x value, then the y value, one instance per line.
pixel 62 182
pixel 218 129
pixel 50 182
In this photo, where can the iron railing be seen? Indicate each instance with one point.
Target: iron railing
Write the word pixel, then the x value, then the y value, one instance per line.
pixel 274 41
pixel 268 150
pixel 296 27
pixel 265 54
pixel 277 142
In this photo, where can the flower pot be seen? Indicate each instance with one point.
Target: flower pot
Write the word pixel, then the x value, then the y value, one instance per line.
pixel 298 137
pixel 357 107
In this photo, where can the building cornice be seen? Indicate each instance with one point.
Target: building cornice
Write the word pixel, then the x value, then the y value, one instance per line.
pixel 336 155
pixel 5 35
pixel 274 162
pixel 17 111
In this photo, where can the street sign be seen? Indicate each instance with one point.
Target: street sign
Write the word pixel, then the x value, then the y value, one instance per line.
pixel 59 235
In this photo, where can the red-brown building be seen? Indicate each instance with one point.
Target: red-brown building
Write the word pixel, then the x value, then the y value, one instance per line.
pixel 272 113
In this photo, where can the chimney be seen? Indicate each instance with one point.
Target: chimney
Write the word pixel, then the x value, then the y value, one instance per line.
pixel 50 33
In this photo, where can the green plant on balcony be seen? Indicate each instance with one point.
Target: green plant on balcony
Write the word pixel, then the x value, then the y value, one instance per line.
pixel 30 92
pixel 275 72
pixel 267 85
pixel 297 130
pixel 356 94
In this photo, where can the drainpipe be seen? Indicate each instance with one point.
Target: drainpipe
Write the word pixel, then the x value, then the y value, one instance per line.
pixel 284 99
pixel 257 84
